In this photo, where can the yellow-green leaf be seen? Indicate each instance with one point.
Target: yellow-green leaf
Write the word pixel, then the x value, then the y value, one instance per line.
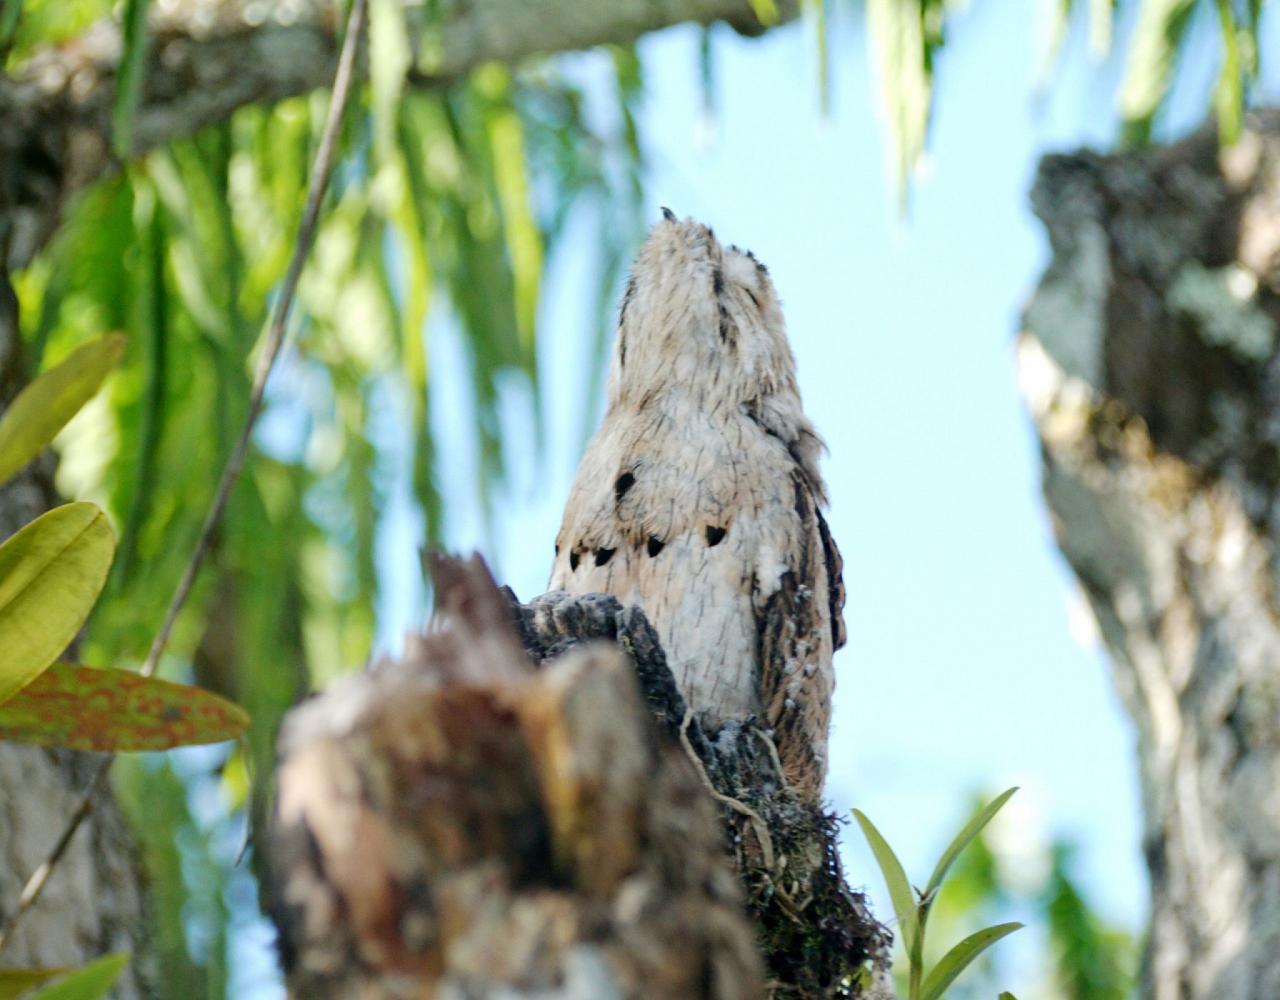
pixel 51 573
pixel 82 708
pixel 44 406
pixel 88 983
pixel 1149 68
pixel 900 55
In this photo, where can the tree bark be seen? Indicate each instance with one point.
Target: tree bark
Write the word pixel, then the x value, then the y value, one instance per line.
pixel 522 807
pixel 1149 362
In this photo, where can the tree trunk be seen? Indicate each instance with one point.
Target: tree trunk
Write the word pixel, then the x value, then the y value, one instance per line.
pixel 1150 364
pixel 499 815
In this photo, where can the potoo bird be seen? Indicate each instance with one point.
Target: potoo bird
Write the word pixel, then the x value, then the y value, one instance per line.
pixel 699 497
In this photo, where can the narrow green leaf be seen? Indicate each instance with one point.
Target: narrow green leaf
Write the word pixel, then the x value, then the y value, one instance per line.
pixel 766 11
pixel 129 77
pixel 82 708
pixel 1149 68
pixel 895 878
pixel 88 983
pixel 51 573
pixel 389 61
pixel 1101 15
pixel 15 982
pixel 958 958
pixel 816 11
pixel 44 406
pixel 896 34
pixel 10 15
pixel 1228 96
pixel 965 837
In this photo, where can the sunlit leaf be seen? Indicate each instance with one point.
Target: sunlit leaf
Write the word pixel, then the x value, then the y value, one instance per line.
pixel 44 406
pixel 133 60
pixel 816 12
pixel 899 53
pixel 964 838
pixel 88 983
pixel 958 958
pixel 83 708
pixel 1101 16
pixel 1228 95
pixel 51 573
pixel 389 61
pixel 766 11
pixel 904 904
pixel 1149 68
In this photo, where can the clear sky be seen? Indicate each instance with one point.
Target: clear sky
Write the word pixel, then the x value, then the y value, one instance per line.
pixel 961 672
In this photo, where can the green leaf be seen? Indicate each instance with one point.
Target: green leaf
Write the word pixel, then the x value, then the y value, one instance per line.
pixel 1228 96
pixel 10 14
pixel 1101 15
pixel 766 11
pixel 88 983
pixel 1149 68
pixel 389 61
pixel 895 878
pixel 15 982
pixel 51 573
pixel 82 708
pixel 964 838
pixel 44 406
pixel 900 54
pixel 958 958
pixel 129 78
pixel 1006 995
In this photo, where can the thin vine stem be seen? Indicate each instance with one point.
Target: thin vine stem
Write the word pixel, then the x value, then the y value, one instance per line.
pixel 321 169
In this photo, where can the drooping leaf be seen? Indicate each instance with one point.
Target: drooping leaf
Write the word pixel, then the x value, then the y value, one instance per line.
pixel 51 573
pixel 84 708
pixel 10 15
pixel 133 60
pixel 1101 16
pixel 958 958
pixel 1149 69
pixel 45 405
pixel 389 61
pixel 766 11
pixel 88 983
pixel 904 76
pixel 1228 95
pixel 904 905
pixel 965 837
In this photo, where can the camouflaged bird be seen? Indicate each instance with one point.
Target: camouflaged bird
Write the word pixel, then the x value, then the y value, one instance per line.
pixel 699 497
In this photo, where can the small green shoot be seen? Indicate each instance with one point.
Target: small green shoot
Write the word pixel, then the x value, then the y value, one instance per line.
pixel 912 906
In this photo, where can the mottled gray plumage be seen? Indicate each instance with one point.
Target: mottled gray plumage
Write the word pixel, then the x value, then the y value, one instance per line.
pixel 699 497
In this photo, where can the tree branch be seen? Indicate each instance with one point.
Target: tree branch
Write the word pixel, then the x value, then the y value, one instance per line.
pixel 208 58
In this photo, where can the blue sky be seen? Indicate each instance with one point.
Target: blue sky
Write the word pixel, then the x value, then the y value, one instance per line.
pixel 961 672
